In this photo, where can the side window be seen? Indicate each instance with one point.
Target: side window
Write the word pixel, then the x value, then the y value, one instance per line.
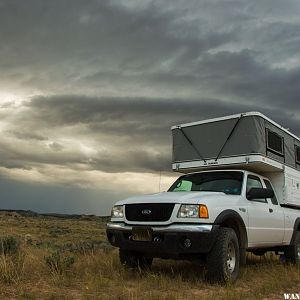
pixel 254 182
pixel 297 154
pixel 269 186
pixel 274 142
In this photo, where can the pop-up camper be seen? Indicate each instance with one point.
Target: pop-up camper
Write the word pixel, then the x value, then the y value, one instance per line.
pixel 249 141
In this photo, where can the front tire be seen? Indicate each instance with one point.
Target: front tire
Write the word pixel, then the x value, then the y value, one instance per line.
pixel 292 252
pixel 224 258
pixel 130 259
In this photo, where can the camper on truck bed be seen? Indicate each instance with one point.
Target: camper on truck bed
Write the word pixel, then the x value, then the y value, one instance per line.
pixel 240 192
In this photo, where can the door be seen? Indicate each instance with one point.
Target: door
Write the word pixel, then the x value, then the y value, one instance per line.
pixel 277 219
pixel 263 217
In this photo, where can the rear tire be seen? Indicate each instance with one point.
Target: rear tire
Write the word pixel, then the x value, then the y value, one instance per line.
pixel 292 252
pixel 224 259
pixel 130 259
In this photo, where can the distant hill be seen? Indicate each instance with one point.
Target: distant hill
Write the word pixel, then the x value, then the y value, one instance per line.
pixel 30 213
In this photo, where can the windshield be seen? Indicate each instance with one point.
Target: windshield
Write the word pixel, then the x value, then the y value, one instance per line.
pixel 228 182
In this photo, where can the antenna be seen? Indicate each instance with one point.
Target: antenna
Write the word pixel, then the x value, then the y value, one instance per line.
pixel 159 182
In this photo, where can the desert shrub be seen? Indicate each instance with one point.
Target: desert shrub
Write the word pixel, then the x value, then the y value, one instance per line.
pixel 58 262
pixel 49 244
pixel 87 246
pixel 9 245
pixel 55 231
pixel 28 239
pixel 12 267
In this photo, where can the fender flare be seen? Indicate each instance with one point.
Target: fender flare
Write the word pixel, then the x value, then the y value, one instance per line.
pixel 228 215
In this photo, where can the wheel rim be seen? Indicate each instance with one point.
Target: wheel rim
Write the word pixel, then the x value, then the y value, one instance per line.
pixel 231 257
pixel 298 250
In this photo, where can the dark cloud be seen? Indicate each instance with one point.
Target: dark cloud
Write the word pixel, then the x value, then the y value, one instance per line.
pixel 241 76
pixel 132 115
pixel 25 135
pixel 127 134
pixel 56 146
pixel 154 49
pixel 81 44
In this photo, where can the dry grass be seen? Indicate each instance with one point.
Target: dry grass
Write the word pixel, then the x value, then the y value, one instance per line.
pixel 97 274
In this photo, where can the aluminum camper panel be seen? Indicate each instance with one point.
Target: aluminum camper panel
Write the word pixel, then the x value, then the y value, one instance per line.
pixel 292 187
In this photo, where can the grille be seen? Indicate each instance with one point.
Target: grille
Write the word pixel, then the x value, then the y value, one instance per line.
pixel 152 212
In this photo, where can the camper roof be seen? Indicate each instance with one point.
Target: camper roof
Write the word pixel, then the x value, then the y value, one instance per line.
pixel 234 117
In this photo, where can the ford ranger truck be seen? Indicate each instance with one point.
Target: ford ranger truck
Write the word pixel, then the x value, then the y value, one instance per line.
pixel 212 216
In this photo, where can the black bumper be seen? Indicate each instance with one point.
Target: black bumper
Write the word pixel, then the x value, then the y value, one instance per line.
pixel 168 241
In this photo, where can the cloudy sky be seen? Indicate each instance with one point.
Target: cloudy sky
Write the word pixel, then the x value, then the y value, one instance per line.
pixel 89 89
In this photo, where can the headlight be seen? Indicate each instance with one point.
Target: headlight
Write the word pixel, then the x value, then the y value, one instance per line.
pixel 193 211
pixel 117 211
pixel 188 211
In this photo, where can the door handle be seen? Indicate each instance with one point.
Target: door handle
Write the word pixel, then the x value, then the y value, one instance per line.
pixel 270 210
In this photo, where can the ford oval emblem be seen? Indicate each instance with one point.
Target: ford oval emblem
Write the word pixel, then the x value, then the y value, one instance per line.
pixel 146 212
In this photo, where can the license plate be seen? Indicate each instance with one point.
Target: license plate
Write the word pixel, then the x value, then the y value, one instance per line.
pixel 142 234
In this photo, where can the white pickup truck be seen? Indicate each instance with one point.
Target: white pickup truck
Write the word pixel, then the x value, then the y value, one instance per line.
pixel 215 215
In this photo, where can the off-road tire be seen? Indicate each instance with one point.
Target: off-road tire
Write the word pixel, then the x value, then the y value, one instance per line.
pixel 130 259
pixel 292 252
pixel 223 261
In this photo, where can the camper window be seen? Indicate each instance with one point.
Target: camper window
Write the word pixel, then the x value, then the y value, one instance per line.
pixel 274 142
pixel 297 154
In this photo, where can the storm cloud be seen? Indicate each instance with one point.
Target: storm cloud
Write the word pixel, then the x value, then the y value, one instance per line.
pixel 122 134
pixel 89 90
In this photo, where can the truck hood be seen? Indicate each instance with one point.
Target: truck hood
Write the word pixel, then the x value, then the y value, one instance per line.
pixel 174 197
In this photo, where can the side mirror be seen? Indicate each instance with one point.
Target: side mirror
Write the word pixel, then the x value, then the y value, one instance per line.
pixel 259 193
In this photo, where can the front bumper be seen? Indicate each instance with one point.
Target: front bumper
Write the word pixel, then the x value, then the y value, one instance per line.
pixel 168 241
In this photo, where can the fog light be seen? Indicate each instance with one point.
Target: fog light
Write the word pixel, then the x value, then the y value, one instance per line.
pixel 187 243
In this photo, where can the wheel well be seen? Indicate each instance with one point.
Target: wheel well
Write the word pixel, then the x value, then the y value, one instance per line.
pixel 239 229
pixel 296 229
pixel 231 219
